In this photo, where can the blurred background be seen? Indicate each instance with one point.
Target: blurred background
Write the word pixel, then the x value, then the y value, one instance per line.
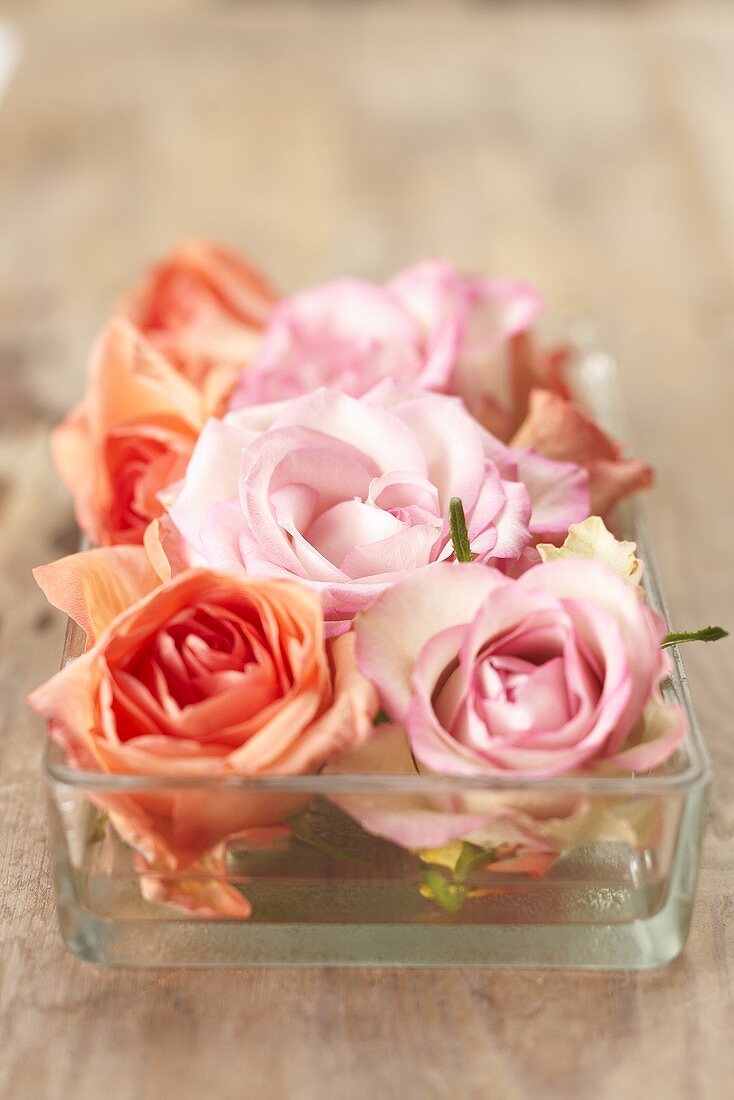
pixel 584 145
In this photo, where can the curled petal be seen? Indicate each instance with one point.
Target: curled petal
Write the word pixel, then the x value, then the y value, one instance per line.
pixel 392 633
pixel 656 737
pixel 559 492
pixel 557 429
pixel 94 586
pixel 203 891
pixel 592 539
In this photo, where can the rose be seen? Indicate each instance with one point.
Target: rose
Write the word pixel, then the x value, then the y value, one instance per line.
pixel 157 372
pixel 350 495
pixel 556 429
pixel 497 361
pixel 207 677
pixel 434 328
pixel 424 328
pixel 203 309
pixel 556 673
pixel 130 438
pixel 553 673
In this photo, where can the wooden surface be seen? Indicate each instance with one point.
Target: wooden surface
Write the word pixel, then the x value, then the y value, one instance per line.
pixel 586 146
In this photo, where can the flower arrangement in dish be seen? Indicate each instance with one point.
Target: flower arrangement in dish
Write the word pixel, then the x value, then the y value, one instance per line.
pixel 367 661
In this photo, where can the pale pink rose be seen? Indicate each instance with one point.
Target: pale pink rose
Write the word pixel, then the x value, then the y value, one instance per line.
pixel 350 495
pixel 554 673
pixel 425 327
pixel 532 825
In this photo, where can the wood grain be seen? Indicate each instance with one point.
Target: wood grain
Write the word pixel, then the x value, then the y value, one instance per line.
pixel 588 147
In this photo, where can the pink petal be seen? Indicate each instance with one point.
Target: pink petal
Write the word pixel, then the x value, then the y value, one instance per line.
pixel 350 524
pixel 376 432
pixel 391 634
pixel 559 492
pixel 409 548
pixel 211 478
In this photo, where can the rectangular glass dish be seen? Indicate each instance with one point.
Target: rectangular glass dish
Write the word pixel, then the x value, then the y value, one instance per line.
pixel 326 892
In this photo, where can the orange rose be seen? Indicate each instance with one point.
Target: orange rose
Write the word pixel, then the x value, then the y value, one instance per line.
pixel 131 437
pixel 157 372
pixel 203 308
pixel 208 676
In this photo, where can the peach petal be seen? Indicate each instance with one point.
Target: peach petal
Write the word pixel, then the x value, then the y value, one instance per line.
pixel 94 586
pixel 206 894
pixel 558 430
pixel 126 706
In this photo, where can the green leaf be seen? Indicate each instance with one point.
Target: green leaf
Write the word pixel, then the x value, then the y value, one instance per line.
pixel 706 634
pixel 459 533
pixel 380 718
pixel 472 856
pixel 449 896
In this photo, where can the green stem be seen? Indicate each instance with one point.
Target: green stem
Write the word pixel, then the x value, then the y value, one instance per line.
pixel 459 533
pixel 706 634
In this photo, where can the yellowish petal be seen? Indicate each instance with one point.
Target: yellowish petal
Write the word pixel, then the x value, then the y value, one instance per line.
pixel 593 540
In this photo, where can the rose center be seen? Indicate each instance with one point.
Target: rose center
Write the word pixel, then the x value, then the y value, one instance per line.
pixel 398 514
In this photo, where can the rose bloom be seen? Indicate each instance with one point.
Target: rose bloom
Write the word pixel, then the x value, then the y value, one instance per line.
pixel 203 308
pixel 351 495
pixel 555 673
pixel 557 429
pixel 157 372
pixel 132 435
pixel 440 330
pixel 208 676
pixel 427 327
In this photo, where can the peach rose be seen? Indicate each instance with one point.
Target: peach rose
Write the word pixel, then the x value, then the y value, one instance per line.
pixel 131 436
pixel 203 309
pixel 557 429
pixel 206 677
pixel 157 372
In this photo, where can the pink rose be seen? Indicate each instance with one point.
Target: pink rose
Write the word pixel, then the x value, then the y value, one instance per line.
pixel 350 495
pixel 421 328
pixel 554 673
pixel 434 328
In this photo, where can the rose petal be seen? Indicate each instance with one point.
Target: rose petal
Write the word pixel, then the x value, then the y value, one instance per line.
pixel 557 429
pixel 93 587
pixel 391 634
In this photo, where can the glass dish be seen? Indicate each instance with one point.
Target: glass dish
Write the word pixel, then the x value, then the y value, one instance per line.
pixel 326 892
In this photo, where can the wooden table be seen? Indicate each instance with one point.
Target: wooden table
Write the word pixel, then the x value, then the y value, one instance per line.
pixel 588 147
